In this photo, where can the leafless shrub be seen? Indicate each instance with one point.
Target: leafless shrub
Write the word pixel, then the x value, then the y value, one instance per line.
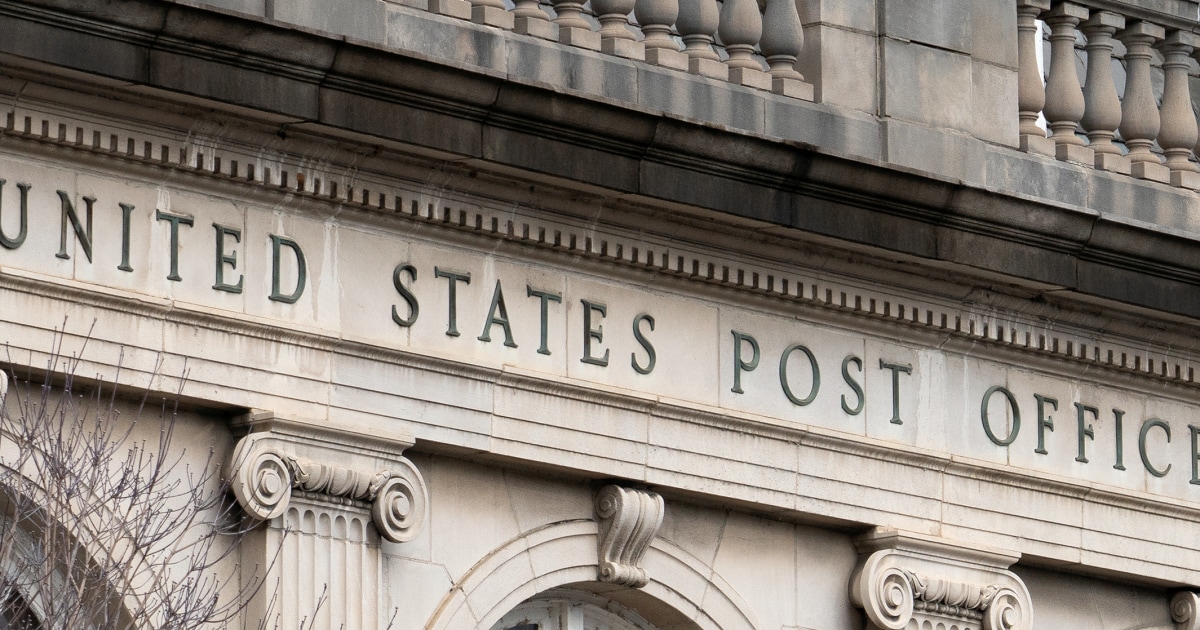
pixel 103 522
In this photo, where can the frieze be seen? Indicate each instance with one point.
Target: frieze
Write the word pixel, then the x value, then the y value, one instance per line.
pixel 450 300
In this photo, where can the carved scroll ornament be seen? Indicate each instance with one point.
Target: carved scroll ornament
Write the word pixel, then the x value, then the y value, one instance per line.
pixel 894 597
pixel 910 581
pixel 629 520
pixel 1185 610
pixel 264 477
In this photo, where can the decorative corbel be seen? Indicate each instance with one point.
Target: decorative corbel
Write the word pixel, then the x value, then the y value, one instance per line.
pixel 279 457
pixel 1185 610
pixel 903 578
pixel 629 520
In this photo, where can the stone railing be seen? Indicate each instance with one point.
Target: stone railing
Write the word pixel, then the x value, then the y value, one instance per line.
pixel 737 40
pixel 1082 120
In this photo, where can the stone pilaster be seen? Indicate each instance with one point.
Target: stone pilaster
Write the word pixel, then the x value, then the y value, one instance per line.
pixel 330 494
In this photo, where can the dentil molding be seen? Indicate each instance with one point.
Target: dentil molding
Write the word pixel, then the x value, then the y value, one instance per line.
pixel 910 581
pixel 629 519
pixel 336 465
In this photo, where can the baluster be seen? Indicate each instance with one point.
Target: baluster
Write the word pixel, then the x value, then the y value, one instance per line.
pixel 1139 111
pixel 781 43
pixel 1031 94
pixel 530 19
pixel 1179 131
pixel 573 29
pixel 1064 96
pixel 656 18
pixel 740 30
pixel 1196 147
pixel 615 36
pixel 491 13
pixel 697 23
pixel 1102 112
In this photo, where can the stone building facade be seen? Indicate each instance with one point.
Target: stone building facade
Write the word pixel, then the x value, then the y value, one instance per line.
pixel 813 315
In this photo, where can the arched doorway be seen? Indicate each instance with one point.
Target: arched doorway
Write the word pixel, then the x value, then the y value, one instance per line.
pixel 571 609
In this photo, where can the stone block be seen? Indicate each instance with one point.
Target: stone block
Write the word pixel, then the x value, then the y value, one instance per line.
pixel 667 58
pixel 695 97
pixel 238 85
pixel 579 37
pixel 839 131
pixel 937 151
pixel 1185 179
pixel 993 33
pixel 460 9
pixel 548 62
pixel 927 85
pixel 750 77
pixel 826 69
pixel 1040 145
pixel 535 27
pixel 440 38
pixel 794 88
pixel 1075 153
pixel 360 19
pixel 856 15
pixel 710 68
pixel 253 7
pixel 1152 171
pixel 1112 162
pixel 1036 176
pixel 493 16
pixel 941 23
pixel 627 48
pixel 994 104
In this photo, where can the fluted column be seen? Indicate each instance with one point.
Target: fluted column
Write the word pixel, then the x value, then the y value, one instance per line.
pixel 1064 96
pixel 1031 94
pixel 697 23
pixel 1179 132
pixel 1102 107
pixel 1139 112
pixel 573 29
pixel 781 43
pixel 740 30
pixel 656 18
pixel 615 36
pixel 530 19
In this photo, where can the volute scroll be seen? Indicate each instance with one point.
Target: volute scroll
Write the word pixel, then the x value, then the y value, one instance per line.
pixel 629 520
pixel 913 581
pixel 279 457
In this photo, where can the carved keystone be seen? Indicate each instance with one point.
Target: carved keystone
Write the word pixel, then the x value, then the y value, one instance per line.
pixel 629 520
pixel 279 456
pixel 1185 610
pixel 906 580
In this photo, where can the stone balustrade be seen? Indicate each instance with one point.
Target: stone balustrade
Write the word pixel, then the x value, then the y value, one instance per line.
pixel 746 42
pixel 1159 131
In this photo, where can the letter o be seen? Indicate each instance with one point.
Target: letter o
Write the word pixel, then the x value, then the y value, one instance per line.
pixel 1016 414
pixel 816 375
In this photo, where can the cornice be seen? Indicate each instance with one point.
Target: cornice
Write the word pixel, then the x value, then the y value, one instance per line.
pixel 921 211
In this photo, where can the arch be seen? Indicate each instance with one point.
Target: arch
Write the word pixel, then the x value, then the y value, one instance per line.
pixel 681 587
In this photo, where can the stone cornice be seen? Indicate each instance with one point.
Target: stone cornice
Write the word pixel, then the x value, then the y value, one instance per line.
pixel 650 155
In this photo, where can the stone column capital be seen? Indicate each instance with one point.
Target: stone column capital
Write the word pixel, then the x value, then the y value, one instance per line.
pixel 902 577
pixel 334 464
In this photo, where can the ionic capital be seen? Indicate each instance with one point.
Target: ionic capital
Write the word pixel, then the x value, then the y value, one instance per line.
pixel 1185 610
pixel 904 577
pixel 338 465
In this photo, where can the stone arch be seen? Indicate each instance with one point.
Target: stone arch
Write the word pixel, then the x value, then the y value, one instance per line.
pixel 682 592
